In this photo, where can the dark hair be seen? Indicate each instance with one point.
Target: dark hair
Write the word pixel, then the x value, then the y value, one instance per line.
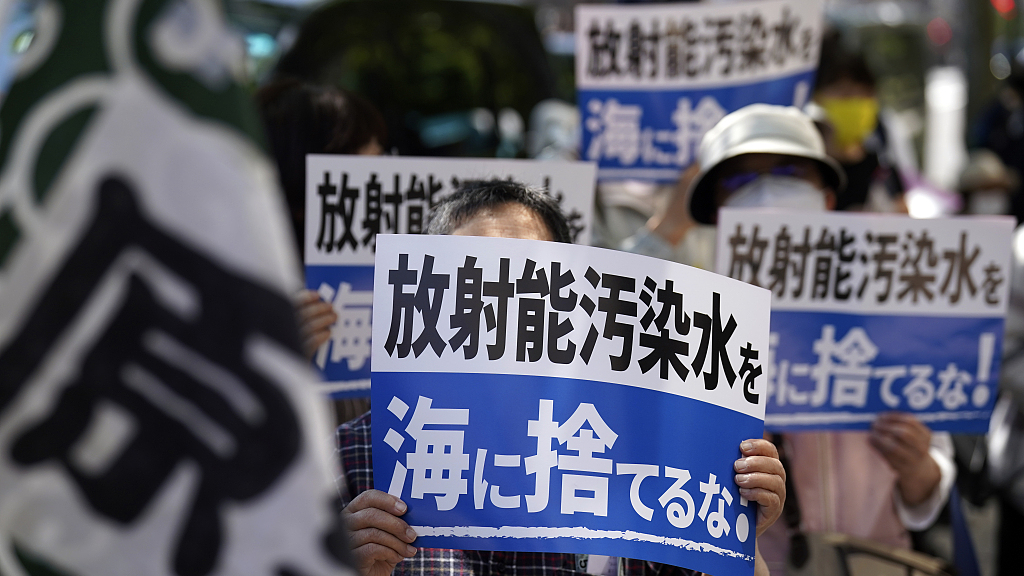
pixel 838 63
pixel 472 196
pixel 302 118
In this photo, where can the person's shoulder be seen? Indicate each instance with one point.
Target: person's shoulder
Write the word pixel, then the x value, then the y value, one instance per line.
pixel 355 453
pixel 355 442
pixel 354 430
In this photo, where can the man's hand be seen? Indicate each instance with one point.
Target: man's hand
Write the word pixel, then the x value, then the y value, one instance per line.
pixel 315 320
pixel 762 479
pixel 379 538
pixel 904 442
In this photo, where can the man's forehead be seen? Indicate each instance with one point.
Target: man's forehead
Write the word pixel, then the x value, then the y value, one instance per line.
pixel 508 220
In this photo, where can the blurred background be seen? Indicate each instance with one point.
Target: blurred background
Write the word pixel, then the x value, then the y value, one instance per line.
pixel 461 78
pixel 486 79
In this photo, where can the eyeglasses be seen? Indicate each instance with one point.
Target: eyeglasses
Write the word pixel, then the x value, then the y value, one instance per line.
pixel 736 181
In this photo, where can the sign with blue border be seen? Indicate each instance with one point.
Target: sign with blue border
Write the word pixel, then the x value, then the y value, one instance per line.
pixel 875 313
pixel 350 199
pixel 652 79
pixel 540 396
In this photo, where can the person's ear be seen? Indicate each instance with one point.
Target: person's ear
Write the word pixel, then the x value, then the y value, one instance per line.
pixel 830 199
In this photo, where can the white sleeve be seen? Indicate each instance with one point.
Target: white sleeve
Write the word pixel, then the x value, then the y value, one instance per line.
pixel 923 515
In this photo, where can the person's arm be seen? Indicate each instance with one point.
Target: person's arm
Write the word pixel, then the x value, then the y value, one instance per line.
pixel 923 463
pixel 669 224
pixel 673 222
pixel 924 514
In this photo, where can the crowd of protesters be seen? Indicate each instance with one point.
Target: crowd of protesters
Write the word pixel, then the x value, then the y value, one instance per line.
pixel 834 154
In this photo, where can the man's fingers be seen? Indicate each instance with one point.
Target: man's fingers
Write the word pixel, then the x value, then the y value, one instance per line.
pixel 902 431
pixel 315 309
pixel 369 554
pixel 764 464
pixel 905 426
pixel 759 447
pixel 901 441
pixel 377 499
pixel 898 417
pixel 770 482
pixel 321 321
pixel 771 501
pixel 370 536
pixel 381 520
pixel 895 453
pixel 315 339
pixel 883 442
pixel 303 297
pixel 769 506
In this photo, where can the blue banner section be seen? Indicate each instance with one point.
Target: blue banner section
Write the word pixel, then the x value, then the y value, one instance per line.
pixel 517 463
pixel 654 134
pixel 836 371
pixel 345 360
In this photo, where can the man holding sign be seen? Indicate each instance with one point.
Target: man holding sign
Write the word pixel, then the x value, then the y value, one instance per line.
pixel 874 485
pixel 381 539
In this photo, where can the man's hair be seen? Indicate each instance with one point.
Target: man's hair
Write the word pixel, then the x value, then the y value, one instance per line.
pixel 837 62
pixel 302 118
pixel 472 196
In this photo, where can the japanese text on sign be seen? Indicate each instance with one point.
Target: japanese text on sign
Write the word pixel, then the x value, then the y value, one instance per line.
pixel 653 79
pixel 875 313
pixel 886 263
pixel 550 314
pixel 687 45
pixel 845 374
pixel 664 329
pixel 583 444
pixel 507 379
pixel 618 133
pixel 351 199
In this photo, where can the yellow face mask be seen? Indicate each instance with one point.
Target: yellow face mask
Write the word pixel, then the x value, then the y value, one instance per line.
pixel 852 118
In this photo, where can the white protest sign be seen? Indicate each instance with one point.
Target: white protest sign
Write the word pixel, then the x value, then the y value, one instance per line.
pixel 652 79
pixel 541 396
pixel 688 45
pixel 876 312
pixel 350 199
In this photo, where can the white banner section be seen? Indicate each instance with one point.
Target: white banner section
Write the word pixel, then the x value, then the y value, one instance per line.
pixel 688 45
pixel 350 199
pixel 873 313
pixel 507 306
pixel 869 263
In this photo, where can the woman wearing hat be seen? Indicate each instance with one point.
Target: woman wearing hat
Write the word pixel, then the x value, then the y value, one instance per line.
pixel 875 485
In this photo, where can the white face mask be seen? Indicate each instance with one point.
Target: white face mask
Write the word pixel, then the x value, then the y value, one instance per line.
pixel 771 191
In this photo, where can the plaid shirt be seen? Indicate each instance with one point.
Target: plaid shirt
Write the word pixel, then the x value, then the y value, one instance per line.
pixel 354 452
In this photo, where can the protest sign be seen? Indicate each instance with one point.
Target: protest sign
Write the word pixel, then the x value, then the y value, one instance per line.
pixel 652 79
pixel 156 415
pixel 872 313
pixel 541 396
pixel 350 199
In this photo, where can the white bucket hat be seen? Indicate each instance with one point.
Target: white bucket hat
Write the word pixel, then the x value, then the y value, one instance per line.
pixel 753 129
